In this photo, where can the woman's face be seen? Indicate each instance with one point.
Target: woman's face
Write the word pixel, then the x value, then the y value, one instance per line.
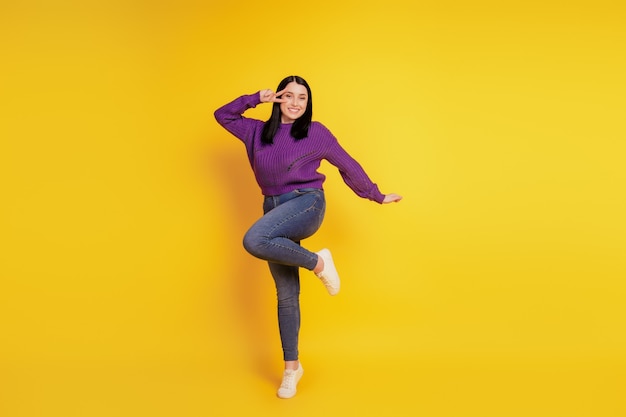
pixel 296 98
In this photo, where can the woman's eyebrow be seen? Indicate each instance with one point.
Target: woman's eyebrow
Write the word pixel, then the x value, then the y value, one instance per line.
pixel 291 92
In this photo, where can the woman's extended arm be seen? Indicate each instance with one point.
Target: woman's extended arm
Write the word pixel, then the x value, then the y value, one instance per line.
pixel 230 116
pixel 355 176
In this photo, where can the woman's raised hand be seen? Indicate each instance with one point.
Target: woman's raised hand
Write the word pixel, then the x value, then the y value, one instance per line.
pixel 392 198
pixel 268 96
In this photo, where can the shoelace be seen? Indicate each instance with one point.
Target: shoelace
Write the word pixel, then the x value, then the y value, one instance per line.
pixel 289 379
pixel 325 280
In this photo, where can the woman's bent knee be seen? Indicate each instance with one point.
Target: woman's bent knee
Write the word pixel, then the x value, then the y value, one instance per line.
pixel 254 243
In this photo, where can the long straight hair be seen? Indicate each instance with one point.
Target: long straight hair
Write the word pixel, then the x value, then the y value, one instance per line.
pixel 300 127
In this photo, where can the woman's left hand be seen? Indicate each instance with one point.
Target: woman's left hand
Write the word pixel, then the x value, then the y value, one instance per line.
pixel 392 198
pixel 268 96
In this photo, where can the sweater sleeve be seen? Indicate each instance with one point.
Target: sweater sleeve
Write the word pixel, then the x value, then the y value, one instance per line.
pixel 230 117
pixel 352 172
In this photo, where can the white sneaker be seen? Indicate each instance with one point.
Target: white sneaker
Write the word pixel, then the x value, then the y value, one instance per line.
pixel 290 380
pixel 329 275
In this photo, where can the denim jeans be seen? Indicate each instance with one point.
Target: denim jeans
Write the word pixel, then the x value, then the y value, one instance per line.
pixel 275 237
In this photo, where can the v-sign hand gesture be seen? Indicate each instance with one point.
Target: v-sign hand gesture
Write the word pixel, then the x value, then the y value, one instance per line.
pixel 268 96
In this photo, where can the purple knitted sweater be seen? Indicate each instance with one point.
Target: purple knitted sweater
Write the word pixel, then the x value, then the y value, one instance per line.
pixel 289 164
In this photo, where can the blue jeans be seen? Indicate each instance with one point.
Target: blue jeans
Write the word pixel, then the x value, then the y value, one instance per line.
pixel 275 237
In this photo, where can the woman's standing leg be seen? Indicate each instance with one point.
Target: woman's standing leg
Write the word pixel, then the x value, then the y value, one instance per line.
pixel 287 279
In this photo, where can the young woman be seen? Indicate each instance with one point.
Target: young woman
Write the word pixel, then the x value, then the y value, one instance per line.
pixel 285 153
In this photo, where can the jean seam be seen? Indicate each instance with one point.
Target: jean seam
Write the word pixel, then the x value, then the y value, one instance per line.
pixel 276 245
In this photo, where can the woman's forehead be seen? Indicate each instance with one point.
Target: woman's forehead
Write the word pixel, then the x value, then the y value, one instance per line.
pixel 295 88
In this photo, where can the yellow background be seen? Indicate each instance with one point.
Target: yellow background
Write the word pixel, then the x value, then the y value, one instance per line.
pixel 495 288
